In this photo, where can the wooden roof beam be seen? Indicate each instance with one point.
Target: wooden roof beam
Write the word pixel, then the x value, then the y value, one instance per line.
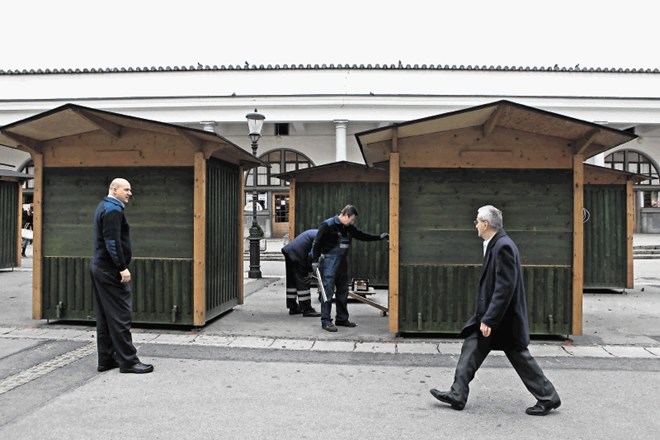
pixel 30 143
pixel 196 142
pixel 491 122
pixel 583 143
pixel 108 127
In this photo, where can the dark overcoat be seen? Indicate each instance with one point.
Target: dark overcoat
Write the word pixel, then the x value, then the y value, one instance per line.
pixel 501 302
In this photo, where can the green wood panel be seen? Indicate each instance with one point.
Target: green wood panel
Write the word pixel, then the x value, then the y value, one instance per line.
pixel 317 201
pixel 160 212
pixel 605 241
pixel 441 253
pixel 438 206
pixel 222 237
pixel 8 223
pixel 161 290
pixel 441 298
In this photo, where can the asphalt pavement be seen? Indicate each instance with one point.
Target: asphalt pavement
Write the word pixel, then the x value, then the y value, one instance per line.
pixel 258 373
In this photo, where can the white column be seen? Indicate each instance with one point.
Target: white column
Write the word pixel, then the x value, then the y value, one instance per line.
pixel 209 126
pixel 340 139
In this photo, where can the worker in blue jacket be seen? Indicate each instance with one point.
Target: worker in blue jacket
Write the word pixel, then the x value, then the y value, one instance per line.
pixel 298 266
pixel 330 256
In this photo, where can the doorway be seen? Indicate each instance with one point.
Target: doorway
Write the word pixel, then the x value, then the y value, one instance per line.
pixel 280 214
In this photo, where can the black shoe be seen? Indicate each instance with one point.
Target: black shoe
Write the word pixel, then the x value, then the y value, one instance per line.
pixel 541 409
pixel 295 311
pixel 446 397
pixel 138 368
pixel 346 323
pixel 107 366
pixel 310 313
pixel 329 327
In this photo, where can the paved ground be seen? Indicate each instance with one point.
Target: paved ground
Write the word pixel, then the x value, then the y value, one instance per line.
pixel 258 373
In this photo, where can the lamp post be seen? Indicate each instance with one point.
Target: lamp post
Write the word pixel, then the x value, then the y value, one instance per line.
pixel 255 123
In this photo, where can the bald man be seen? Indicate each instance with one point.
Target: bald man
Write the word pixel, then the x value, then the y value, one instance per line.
pixel 110 283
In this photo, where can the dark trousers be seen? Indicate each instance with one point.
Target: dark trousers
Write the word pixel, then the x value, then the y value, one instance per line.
pixel 298 295
pixel 112 301
pixel 334 271
pixel 474 352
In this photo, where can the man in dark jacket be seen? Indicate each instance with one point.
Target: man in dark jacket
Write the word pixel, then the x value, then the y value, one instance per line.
pixel 110 283
pixel 298 266
pixel 331 246
pixel 500 321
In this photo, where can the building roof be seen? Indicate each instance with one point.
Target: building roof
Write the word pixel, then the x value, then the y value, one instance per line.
pixel 399 66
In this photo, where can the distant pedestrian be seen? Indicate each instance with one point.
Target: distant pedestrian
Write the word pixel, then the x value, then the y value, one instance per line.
pixel 330 255
pixel 500 321
pixel 110 283
pixel 298 267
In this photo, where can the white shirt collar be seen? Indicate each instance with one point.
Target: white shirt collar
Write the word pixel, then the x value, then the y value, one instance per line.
pixel 486 244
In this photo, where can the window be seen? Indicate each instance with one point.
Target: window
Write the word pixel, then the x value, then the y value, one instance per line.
pixel 280 161
pixel 634 162
pixel 638 163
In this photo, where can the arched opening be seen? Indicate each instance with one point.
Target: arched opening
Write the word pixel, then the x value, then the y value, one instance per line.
pixel 647 207
pixel 273 193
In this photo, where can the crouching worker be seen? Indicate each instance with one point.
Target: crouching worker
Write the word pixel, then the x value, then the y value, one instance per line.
pixel 298 266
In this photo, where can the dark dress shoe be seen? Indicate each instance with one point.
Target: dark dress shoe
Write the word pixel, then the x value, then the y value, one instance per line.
pixel 310 313
pixel 541 409
pixel 295 311
pixel 346 323
pixel 138 368
pixel 329 327
pixel 446 397
pixel 107 366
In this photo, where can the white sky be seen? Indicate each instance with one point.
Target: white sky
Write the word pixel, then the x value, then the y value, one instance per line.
pixel 47 34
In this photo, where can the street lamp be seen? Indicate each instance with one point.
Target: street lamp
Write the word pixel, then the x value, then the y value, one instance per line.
pixel 255 123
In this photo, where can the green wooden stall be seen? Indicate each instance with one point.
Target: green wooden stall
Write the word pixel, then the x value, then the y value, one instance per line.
pixel 185 213
pixel 11 183
pixel 609 225
pixel 320 192
pixel 526 161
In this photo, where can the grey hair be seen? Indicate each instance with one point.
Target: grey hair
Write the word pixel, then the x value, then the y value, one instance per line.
pixel 492 215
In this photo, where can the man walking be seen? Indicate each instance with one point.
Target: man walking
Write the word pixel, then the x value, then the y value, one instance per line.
pixel 500 321
pixel 110 283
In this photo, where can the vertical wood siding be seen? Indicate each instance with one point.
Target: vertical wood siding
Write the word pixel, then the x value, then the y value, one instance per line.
pixel 316 202
pixel 8 223
pixel 441 254
pixel 605 245
pixel 161 220
pixel 222 237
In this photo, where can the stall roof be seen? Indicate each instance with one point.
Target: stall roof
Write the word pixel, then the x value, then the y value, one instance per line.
pixel 332 170
pixel 34 133
pixel 15 175
pixel 585 137
pixel 593 174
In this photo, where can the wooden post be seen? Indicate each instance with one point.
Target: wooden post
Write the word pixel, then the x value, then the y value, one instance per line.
pixel 37 228
pixel 393 298
pixel 292 209
pixel 578 242
pixel 199 241
pixel 630 231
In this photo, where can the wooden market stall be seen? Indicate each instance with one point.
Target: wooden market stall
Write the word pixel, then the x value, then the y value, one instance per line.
pixel 320 192
pixel 11 198
pixel 609 225
pixel 526 161
pixel 185 214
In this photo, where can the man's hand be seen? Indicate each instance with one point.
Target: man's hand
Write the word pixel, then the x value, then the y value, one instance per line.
pixel 485 330
pixel 315 266
pixel 384 235
pixel 125 276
